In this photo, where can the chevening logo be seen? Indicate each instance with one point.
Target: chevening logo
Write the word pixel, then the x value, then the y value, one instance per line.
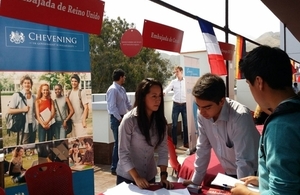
pixel 17 37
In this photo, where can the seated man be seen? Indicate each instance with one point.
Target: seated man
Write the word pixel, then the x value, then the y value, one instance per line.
pixel 226 126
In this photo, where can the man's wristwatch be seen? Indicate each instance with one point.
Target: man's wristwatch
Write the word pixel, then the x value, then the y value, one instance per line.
pixel 164 173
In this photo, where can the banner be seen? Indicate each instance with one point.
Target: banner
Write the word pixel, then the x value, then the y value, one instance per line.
pixel 227 50
pixel 85 16
pixel 45 64
pixel 26 46
pixel 131 42
pixel 191 75
pixel 159 36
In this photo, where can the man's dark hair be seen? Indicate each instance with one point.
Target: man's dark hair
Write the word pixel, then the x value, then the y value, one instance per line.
pixel 209 87
pixel 75 76
pixel 117 74
pixel 271 64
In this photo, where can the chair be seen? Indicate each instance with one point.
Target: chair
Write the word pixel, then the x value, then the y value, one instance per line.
pixel 2 191
pixel 173 157
pixel 50 178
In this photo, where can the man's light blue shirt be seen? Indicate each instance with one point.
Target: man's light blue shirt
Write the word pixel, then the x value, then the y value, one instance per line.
pixel 117 101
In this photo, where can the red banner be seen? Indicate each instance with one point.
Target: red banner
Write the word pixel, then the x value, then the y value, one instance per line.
pixel 131 42
pixel 227 50
pixel 79 15
pixel 159 36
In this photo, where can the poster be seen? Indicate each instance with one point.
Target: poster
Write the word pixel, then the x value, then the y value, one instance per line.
pixel 45 64
pixel 191 75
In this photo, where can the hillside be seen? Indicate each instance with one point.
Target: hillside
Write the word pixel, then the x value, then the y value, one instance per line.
pixel 269 38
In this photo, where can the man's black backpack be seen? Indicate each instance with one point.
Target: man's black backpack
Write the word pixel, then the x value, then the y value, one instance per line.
pixel 16 122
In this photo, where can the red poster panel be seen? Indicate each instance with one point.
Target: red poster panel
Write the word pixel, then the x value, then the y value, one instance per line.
pixel 131 42
pixel 159 36
pixel 227 50
pixel 79 15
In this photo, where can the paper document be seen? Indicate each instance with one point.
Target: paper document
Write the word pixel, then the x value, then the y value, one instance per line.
pixel 46 114
pixel 222 179
pixel 124 188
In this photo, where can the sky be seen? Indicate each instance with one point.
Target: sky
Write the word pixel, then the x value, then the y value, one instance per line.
pixel 249 18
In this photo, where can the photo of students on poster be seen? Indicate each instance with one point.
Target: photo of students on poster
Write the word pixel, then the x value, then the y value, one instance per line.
pixel 14 103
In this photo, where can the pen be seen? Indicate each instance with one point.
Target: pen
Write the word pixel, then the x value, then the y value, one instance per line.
pixel 227 186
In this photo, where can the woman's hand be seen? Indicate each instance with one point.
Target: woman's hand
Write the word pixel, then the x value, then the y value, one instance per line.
pixel 240 189
pixel 46 126
pixel 250 180
pixel 65 125
pixel 166 184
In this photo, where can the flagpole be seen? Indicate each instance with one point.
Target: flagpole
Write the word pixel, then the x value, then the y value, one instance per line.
pixel 226 40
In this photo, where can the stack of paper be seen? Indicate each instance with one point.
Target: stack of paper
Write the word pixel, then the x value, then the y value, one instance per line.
pixel 46 114
pixel 225 180
pixel 131 189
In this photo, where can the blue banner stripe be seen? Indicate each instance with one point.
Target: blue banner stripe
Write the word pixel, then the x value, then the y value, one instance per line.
pixel 26 46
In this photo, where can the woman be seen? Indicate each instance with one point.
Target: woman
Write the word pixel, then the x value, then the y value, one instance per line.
pixel 17 105
pixel 16 169
pixel 75 156
pixel 45 112
pixel 142 131
pixel 64 112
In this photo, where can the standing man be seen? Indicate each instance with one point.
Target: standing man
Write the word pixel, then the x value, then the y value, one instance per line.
pixel 117 105
pixel 179 105
pixel 80 104
pixel 25 103
pixel 226 126
pixel 269 75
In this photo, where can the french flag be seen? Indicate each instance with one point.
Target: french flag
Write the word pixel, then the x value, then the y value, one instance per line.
pixel 215 57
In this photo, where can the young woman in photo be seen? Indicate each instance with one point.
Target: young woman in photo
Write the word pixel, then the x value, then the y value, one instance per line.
pixel 44 104
pixel 64 111
pixel 16 169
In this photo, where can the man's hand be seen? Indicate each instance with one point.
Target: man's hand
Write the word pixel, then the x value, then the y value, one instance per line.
pixel 187 182
pixel 141 182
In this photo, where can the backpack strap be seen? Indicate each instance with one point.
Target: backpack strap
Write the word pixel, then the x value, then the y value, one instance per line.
pixel 58 110
pixel 79 96
pixel 23 98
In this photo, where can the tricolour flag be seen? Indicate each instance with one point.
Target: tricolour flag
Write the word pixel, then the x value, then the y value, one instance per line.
pixel 215 57
pixel 240 52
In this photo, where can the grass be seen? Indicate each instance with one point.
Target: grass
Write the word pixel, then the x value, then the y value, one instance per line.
pixel 27 162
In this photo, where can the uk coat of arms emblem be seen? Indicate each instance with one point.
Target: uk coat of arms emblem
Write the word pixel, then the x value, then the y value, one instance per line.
pixel 17 37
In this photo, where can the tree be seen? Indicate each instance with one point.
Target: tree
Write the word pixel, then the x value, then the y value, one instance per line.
pixel 106 55
pixel 54 78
